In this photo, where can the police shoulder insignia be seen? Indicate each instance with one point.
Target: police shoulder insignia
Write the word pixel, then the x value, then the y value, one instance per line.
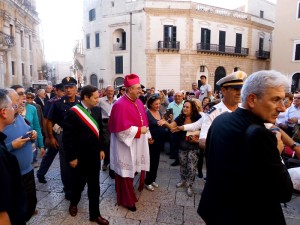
pixel 211 110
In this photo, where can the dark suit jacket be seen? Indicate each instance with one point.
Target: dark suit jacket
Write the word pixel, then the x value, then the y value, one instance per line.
pixel 79 140
pixel 47 98
pixel 38 101
pixel 246 180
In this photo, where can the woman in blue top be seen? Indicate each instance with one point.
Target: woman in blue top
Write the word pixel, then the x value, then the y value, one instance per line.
pixel 156 143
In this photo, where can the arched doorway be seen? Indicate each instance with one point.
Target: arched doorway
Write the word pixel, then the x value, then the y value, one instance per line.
pixel 119 81
pixel 219 73
pixel 94 80
pixel 295 82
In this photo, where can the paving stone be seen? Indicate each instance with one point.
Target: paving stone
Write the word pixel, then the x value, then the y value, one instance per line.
pixel 159 195
pixel 184 200
pixel 145 211
pixel 51 200
pixel 109 207
pixel 122 221
pixel 191 216
pixel 171 213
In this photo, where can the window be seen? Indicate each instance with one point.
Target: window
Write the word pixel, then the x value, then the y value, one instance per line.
pixel 298 10
pixel 22 38
pixel 12 68
pixel 205 38
pixel 261 46
pixel 261 14
pixel 88 44
pixel 169 36
pixel 11 30
pixel 31 70
pixel 297 51
pixel 222 40
pixel 30 46
pixel 119 64
pixel 97 39
pixel 92 14
pixel 238 43
pixel 23 69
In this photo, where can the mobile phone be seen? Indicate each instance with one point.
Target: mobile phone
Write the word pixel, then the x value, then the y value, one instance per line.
pixel 169 111
pixel 28 135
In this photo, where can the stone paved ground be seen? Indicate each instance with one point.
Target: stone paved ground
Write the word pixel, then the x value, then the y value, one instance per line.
pixel 166 205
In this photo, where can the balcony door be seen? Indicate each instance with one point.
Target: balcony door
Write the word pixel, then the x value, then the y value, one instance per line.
pixel 238 43
pixel 205 39
pixel 169 36
pixel 222 40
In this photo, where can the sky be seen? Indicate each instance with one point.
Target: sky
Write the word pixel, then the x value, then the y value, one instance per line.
pixel 62 24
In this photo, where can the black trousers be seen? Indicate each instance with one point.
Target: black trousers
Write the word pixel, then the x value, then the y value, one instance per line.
pixel 154 150
pixel 29 184
pixel 87 173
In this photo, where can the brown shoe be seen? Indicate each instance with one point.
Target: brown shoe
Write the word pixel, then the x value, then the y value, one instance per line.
pixel 73 210
pixel 100 220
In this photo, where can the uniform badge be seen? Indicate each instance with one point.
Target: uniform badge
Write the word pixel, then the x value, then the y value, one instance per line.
pixel 211 110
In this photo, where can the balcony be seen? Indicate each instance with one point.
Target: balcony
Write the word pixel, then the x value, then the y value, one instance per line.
pixel 260 54
pixel 6 41
pixel 222 49
pixel 119 46
pixel 168 46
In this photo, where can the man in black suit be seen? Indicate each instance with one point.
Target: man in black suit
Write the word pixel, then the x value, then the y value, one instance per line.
pixel 49 93
pixel 40 97
pixel 84 148
pixel 246 179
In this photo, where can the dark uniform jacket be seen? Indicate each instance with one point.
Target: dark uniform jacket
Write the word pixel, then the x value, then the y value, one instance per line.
pixel 79 140
pixel 246 179
pixel 12 192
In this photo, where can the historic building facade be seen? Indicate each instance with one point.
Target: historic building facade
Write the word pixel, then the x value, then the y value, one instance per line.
pixel 171 43
pixel 21 54
pixel 286 41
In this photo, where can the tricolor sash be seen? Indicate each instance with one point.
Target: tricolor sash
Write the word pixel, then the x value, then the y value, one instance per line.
pixel 86 118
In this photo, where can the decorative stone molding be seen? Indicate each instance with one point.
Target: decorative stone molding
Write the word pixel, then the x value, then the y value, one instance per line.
pixel 168 21
pixel 204 24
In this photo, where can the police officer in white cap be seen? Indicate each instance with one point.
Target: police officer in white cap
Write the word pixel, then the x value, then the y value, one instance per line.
pixel 231 86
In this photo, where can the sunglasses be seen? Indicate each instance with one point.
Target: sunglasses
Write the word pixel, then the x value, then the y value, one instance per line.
pixel 297 98
pixel 29 97
pixel 21 93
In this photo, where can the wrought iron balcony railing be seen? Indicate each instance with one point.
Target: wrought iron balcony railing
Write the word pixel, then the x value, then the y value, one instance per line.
pixel 260 54
pixel 6 40
pixel 222 49
pixel 168 45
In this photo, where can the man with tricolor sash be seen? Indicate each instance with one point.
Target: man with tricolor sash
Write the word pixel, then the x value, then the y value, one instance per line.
pixel 83 143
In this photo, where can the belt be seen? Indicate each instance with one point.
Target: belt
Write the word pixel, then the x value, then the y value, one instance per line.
pixel 105 120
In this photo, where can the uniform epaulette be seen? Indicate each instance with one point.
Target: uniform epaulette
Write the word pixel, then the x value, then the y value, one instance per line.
pixel 211 110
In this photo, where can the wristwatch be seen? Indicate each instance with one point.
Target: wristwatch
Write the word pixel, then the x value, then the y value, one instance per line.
pixel 294 145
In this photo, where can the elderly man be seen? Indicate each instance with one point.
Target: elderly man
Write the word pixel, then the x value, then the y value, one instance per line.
pixel 129 150
pixel 243 156
pixel 12 193
pixel 19 142
pixel 105 104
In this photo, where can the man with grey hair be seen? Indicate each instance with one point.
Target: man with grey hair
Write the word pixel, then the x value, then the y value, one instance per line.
pixel 105 104
pixel 243 156
pixel 40 97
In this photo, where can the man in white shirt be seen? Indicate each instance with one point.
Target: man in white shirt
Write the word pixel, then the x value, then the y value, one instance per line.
pixel 205 89
pixel 105 104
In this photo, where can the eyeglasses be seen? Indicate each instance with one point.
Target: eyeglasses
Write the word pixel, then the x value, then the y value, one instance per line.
pixel 21 93
pixel 15 106
pixel 29 97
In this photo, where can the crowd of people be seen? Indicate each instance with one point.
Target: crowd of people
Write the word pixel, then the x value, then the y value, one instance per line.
pixel 128 131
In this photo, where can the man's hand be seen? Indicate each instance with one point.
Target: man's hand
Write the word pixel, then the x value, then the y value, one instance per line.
pixel 19 142
pixel 178 128
pixel 74 163
pixel 102 155
pixel 144 130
